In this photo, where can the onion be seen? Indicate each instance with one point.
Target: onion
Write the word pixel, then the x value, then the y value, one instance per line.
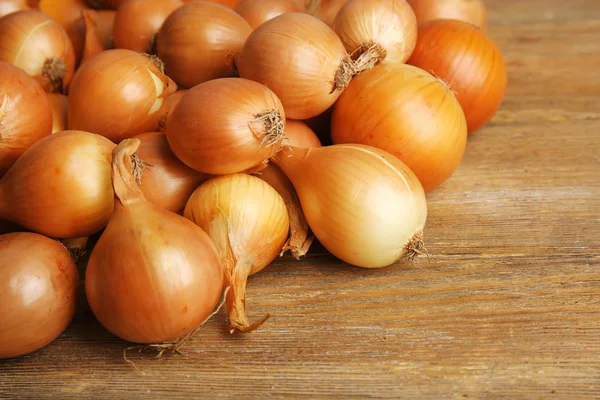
pixel 472 11
pixel 258 11
pixel 25 114
pixel 59 105
pixel 39 46
pixel 60 186
pixel 138 21
pixel 198 42
pixel 65 12
pixel 167 106
pixel 118 94
pixel 92 44
pixel 166 182
pixel 226 126
pixel 300 135
pixel 469 61
pixel 388 28
pixel 38 292
pixel 248 222
pixel 302 60
pixel 407 112
pixel 364 205
pixel 153 276
pixel 326 10
pixel 11 6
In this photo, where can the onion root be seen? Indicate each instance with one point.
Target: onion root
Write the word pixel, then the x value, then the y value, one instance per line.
pixel 54 70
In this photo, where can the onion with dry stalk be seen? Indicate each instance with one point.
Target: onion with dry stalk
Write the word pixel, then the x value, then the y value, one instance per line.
pixel 469 61
pixel 386 28
pixel 199 41
pixel 257 12
pixel 226 126
pixel 472 11
pixel 60 186
pixel 138 21
pixel 407 112
pixel 153 276
pixel 302 60
pixel 166 182
pixel 39 46
pixel 248 221
pixel 118 94
pixel 59 105
pixel 25 114
pixel 38 292
pixel 363 204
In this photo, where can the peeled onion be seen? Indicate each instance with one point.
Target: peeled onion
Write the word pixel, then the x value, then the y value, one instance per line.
pixel 153 276
pixel 226 126
pixel 469 61
pixel 258 11
pixel 59 105
pixel 199 41
pixel 408 113
pixel 363 204
pixel 25 114
pixel 118 94
pixel 60 186
pixel 38 292
pixel 38 45
pixel 472 11
pixel 138 21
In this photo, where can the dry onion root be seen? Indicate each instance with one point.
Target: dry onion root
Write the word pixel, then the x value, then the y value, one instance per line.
pixel 248 221
pixel 154 276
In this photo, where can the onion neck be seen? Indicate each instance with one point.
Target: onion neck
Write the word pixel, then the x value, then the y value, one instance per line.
pixel 236 298
pixel 290 159
pixel 127 172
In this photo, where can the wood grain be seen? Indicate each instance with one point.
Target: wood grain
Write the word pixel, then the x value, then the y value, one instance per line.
pixel 508 307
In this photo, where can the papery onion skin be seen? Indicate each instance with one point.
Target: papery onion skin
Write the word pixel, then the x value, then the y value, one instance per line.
pixel 102 21
pixel 166 182
pixel 390 25
pixel 248 221
pixel 38 45
pixel 92 44
pixel 408 113
pixel 38 292
pixel 472 11
pixel 167 106
pixel 300 135
pixel 59 105
pixel 138 21
pixel 153 276
pixel 469 61
pixel 118 94
pixel 25 114
pixel 364 205
pixel 223 127
pixel 60 186
pixel 199 41
pixel 297 56
pixel 257 12
pixel 11 6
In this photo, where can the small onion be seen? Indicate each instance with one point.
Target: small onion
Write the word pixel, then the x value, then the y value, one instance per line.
pixel 138 21
pixel 363 204
pixel 59 105
pixel 472 11
pixel 118 94
pixel 38 292
pixel 386 27
pixel 60 186
pixel 226 126
pixel 199 41
pixel 25 114
pixel 166 182
pixel 300 135
pixel 38 45
pixel 248 222
pixel 258 11
pixel 11 6
pixel 153 276
pixel 407 112
pixel 302 60
pixel 469 61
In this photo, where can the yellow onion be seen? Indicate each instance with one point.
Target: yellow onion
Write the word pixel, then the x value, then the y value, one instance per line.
pixel 199 41
pixel 248 222
pixel 118 94
pixel 25 114
pixel 38 45
pixel 153 276
pixel 363 204
pixel 60 186
pixel 59 105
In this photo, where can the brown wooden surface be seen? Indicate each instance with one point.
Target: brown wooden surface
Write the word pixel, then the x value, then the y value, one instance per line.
pixel 507 308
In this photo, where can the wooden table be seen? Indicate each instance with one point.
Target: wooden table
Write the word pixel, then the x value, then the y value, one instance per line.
pixel 508 307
